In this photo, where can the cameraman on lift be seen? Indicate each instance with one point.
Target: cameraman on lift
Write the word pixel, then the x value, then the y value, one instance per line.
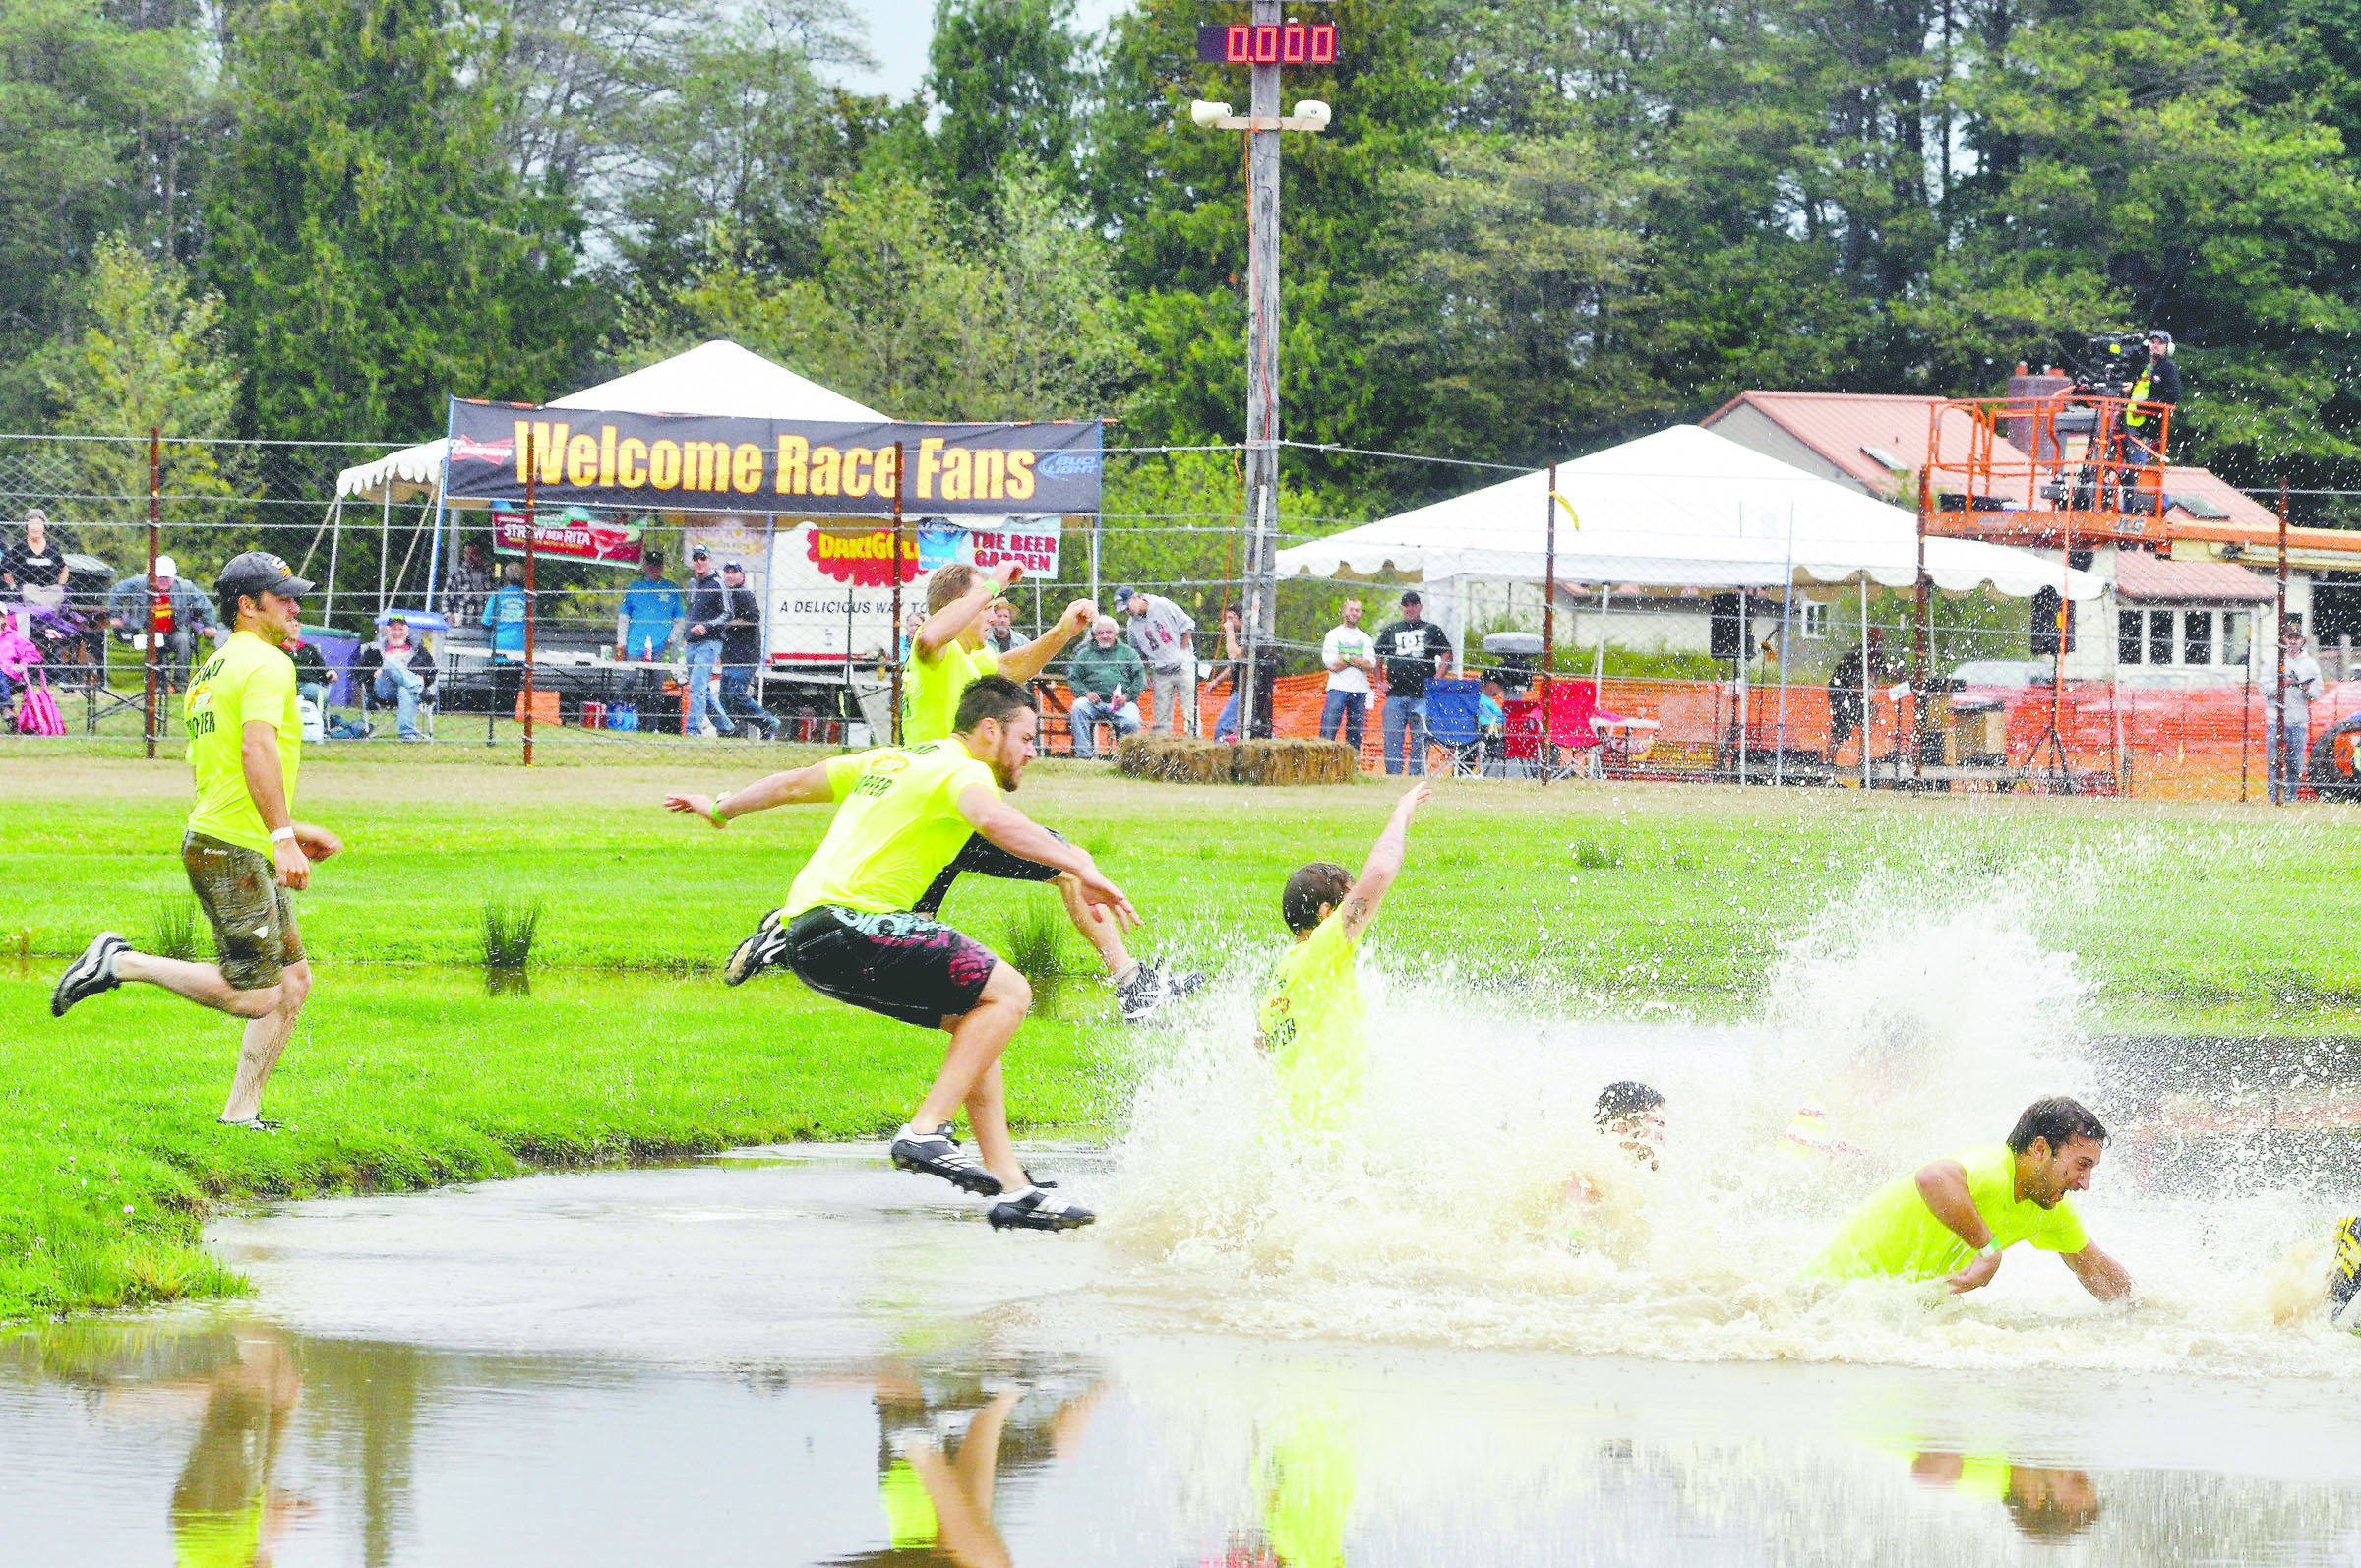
pixel 2151 394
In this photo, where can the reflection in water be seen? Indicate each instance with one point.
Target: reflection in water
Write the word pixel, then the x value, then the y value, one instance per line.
pixel 939 1479
pixel 226 1513
pixel 232 1444
pixel 2043 1504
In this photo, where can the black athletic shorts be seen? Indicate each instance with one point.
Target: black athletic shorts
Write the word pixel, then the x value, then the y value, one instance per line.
pixel 986 859
pixel 908 967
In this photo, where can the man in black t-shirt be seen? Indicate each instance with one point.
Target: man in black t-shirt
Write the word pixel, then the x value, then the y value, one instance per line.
pixel 1413 651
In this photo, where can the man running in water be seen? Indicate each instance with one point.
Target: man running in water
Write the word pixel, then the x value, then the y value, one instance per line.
pixel 245 855
pixel 1311 1014
pixel 1952 1220
pixel 849 928
pixel 948 652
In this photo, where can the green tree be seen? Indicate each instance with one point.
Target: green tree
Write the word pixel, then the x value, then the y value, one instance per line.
pixel 922 312
pixel 98 133
pixel 1009 78
pixel 372 251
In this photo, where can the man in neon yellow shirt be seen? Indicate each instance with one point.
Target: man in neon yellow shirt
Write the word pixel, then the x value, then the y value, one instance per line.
pixel 1312 1012
pixel 948 652
pixel 244 853
pixel 848 929
pixel 1952 1220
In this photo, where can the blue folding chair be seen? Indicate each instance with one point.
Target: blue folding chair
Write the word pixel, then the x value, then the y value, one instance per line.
pixel 1452 722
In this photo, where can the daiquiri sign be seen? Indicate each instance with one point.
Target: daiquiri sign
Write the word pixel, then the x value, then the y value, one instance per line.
pixel 695 463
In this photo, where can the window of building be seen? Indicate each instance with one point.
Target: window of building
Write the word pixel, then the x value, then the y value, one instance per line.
pixel 2131 637
pixel 2159 637
pixel 1815 619
pixel 2196 637
pixel 2237 633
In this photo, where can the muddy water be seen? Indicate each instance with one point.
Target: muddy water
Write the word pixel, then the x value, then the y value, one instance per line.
pixel 802 1356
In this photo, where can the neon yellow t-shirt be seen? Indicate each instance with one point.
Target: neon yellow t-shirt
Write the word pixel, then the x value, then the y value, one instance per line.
pixel 931 703
pixel 1895 1235
pixel 910 1521
pixel 897 823
pixel 1311 1020
pixel 1309 1479
pixel 249 682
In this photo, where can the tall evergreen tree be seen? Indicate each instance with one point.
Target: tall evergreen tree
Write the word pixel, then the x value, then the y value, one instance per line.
pixel 1009 78
pixel 373 251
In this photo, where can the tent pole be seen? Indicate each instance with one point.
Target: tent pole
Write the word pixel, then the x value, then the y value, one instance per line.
pixel 1549 624
pixel 335 537
pixel 384 546
pixel 1598 649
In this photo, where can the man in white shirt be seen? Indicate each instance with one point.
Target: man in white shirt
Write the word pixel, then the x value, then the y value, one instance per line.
pixel 2289 737
pixel 1351 657
pixel 1165 638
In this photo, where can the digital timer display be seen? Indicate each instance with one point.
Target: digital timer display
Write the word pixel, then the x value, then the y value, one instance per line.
pixel 1276 43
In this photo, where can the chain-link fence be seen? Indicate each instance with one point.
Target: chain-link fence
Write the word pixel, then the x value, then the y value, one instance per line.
pixel 1675 666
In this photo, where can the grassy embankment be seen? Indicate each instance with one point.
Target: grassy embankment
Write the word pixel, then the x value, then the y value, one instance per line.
pixel 407 1071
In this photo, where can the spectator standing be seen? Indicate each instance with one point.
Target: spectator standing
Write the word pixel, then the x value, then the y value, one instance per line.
pixel 33 569
pixel 397 672
pixel 741 651
pixel 504 614
pixel 1416 651
pixel 1165 638
pixel 650 620
pixel 1104 679
pixel 999 628
pixel 707 613
pixel 469 589
pixel 171 609
pixel 1351 656
pixel 2288 742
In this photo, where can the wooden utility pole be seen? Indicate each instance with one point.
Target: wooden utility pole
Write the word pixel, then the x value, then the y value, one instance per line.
pixel 1262 376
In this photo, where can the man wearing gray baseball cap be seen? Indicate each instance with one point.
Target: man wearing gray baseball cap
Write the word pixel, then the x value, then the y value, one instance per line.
pixel 244 853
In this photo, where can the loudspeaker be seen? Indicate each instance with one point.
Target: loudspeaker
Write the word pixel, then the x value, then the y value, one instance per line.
pixel 1729 625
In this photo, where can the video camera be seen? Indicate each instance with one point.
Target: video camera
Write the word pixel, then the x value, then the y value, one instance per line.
pixel 2104 365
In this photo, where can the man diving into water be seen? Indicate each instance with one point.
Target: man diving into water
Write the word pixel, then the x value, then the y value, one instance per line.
pixel 848 932
pixel 1953 1219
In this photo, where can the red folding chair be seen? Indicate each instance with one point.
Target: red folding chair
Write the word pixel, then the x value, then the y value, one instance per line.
pixel 1573 741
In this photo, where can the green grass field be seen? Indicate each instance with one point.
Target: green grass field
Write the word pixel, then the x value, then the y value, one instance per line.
pixel 405 1072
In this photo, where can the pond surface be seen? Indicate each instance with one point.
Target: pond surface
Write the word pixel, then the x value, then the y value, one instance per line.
pixel 800 1356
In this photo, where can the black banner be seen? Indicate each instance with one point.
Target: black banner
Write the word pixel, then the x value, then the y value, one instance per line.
pixel 695 463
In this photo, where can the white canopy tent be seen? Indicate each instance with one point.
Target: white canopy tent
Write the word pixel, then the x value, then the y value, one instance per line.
pixel 1683 507
pixel 716 378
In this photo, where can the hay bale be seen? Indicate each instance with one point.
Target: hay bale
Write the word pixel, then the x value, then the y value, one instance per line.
pixel 1178 759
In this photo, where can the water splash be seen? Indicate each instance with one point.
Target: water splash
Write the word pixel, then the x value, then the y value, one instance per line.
pixel 1923 1012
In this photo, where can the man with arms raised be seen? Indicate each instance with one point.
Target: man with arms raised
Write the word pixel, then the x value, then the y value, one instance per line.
pixel 1954 1219
pixel 244 853
pixel 850 926
pixel 949 653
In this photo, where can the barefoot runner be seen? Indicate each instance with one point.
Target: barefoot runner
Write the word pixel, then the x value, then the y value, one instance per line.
pixel 947 653
pixel 848 930
pixel 245 856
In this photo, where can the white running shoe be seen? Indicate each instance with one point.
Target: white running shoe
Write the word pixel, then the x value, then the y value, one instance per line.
pixel 1037 1208
pixel 938 1154
pixel 766 948
pixel 86 976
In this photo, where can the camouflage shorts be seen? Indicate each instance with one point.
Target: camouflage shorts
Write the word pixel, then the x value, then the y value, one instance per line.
pixel 252 915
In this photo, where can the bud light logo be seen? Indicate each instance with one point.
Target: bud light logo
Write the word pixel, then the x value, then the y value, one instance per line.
pixel 1068 465
pixel 466 449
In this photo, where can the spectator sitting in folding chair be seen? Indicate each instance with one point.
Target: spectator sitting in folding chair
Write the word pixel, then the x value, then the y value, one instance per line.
pixel 395 670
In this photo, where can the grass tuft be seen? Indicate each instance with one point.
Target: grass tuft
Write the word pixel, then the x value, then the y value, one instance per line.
pixel 172 928
pixel 1597 857
pixel 1036 937
pixel 509 926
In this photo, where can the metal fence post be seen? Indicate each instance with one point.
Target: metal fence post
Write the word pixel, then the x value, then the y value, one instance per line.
pixel 155 600
pixel 531 475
